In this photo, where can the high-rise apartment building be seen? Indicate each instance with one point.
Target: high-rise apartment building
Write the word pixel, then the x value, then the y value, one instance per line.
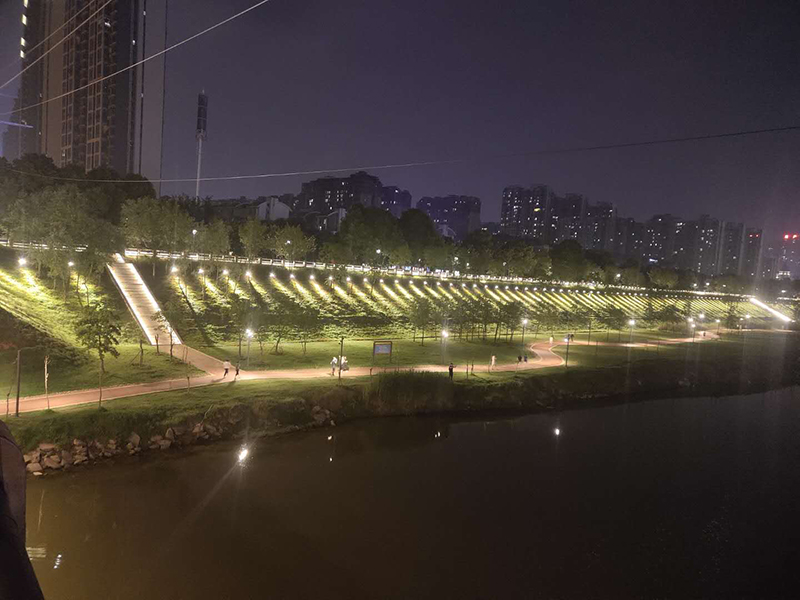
pixel 709 232
pixel 525 212
pixel 659 241
pixel 684 248
pixel 329 193
pixel 751 265
pixel 567 218
pixel 85 115
pixel 459 214
pixel 599 226
pixel 790 254
pixel 395 200
pixel 731 249
pixel 628 239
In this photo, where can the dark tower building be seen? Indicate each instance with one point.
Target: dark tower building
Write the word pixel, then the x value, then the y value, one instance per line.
pixel 395 200
pixel 525 212
pixel 114 122
pixel 329 193
pixel 752 253
pixel 460 214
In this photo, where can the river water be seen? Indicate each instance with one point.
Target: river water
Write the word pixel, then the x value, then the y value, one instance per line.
pixel 669 498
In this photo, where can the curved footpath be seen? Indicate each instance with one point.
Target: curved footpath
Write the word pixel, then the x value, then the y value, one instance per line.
pixel 543 351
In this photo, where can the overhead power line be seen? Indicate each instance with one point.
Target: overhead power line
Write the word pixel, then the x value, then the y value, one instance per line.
pixel 57 44
pixel 141 62
pixel 428 163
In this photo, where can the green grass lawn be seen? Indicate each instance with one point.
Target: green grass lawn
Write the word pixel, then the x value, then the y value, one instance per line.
pixel 359 353
pixel 67 376
pixel 736 364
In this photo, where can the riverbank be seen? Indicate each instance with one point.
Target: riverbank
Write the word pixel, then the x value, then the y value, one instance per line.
pixel 168 420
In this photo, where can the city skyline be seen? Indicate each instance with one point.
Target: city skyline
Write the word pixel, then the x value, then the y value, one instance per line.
pixel 490 110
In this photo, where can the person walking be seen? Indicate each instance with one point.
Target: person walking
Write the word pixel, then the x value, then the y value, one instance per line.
pixel 525 358
pixel 334 362
pixel 236 374
pixel 494 362
pixel 450 368
pixel 227 366
pixel 519 358
pixel 551 340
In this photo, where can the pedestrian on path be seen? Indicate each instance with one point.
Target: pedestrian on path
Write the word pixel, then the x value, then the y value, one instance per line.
pixel 526 358
pixel 451 371
pixel 551 339
pixel 519 358
pixel 334 362
pixel 237 371
pixel 227 366
pixel 494 362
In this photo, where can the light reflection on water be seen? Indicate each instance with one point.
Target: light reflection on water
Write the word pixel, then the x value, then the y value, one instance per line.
pixel 666 498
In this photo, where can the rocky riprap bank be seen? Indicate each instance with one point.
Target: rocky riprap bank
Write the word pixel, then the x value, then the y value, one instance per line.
pixel 225 424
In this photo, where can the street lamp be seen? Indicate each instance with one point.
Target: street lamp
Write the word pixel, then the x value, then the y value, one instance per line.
pixel 631 323
pixel 694 331
pixel 203 273
pixel 70 264
pixel 249 334
pixel 524 324
pixel 718 326
pixel 22 261
pixel 566 360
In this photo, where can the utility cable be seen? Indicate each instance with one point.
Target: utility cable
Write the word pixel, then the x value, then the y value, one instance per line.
pixel 426 163
pixel 141 62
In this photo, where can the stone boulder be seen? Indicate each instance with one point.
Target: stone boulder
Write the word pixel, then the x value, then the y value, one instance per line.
pixel 134 439
pixel 47 447
pixel 52 462
pixel 34 468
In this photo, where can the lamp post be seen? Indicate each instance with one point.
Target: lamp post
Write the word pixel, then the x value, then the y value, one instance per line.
pixel 694 331
pixel 718 326
pixel 203 273
pixel 631 323
pixel 194 237
pixel 566 360
pixel 524 324
pixel 249 334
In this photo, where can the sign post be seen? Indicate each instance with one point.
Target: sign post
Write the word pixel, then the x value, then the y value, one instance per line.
pixel 381 348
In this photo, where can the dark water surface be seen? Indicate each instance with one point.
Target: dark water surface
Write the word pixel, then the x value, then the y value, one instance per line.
pixel 683 498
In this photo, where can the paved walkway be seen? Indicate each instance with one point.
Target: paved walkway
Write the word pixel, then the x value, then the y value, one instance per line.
pixel 544 357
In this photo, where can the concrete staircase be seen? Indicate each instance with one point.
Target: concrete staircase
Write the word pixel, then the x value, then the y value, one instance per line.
pixel 139 299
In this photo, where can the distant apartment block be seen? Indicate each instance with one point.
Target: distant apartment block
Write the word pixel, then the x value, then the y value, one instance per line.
pixel 459 214
pixel 525 212
pixel 326 194
pixel 395 200
pixel 751 265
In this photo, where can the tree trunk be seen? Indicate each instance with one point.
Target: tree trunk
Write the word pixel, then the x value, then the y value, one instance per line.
pixel 171 343
pixel 496 332
pixel 141 352
pixel 240 347
pixel 154 264
pixel 158 348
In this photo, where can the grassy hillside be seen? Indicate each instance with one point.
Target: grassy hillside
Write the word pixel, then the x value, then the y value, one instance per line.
pixel 378 307
pixel 42 320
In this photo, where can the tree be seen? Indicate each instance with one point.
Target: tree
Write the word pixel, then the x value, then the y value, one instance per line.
pixel 97 330
pixel 662 277
pixel 568 262
pixel 670 315
pixel 307 322
pixel 419 233
pixel 511 316
pixel 419 315
pixel 215 240
pixel 240 313
pixel 290 243
pixel 143 225
pixel 253 236
pixel 613 318
pixel 169 320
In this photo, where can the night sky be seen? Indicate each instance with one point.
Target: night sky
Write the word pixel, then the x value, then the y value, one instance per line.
pixel 309 84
